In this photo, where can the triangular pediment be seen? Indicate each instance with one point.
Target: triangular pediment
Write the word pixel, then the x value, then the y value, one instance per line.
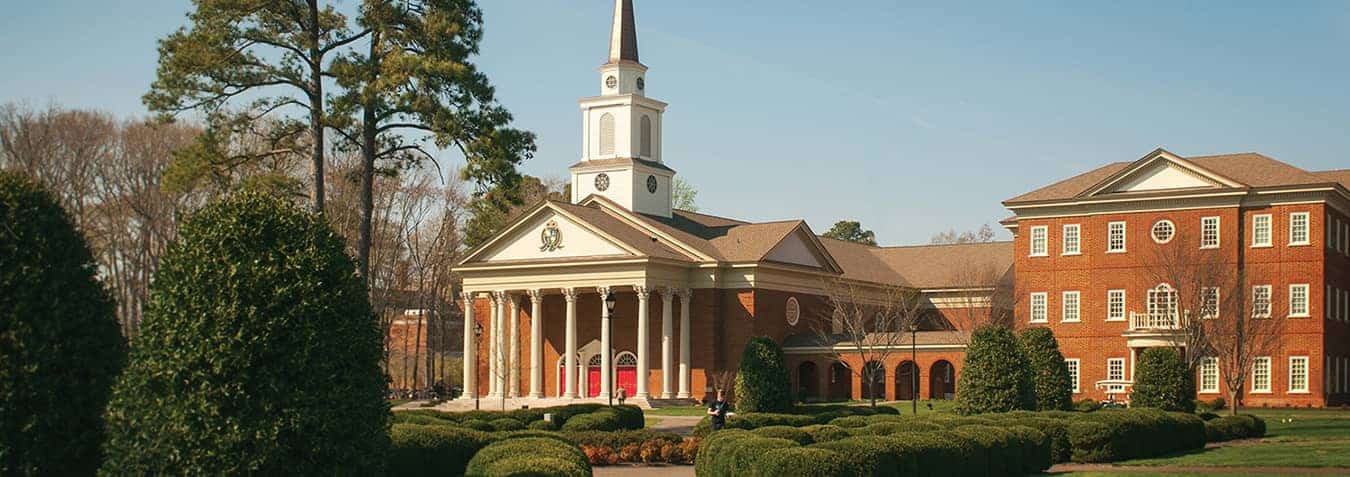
pixel 549 233
pixel 802 247
pixel 1161 171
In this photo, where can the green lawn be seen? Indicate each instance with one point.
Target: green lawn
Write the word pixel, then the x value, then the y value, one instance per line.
pixel 1294 438
pixel 678 411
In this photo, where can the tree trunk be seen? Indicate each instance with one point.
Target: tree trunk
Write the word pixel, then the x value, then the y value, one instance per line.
pixel 369 133
pixel 316 107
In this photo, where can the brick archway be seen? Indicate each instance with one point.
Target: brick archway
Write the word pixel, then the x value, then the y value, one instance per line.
pixel 906 384
pixel 942 380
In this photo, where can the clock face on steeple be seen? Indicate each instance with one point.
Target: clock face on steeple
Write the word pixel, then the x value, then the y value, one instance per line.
pixel 602 182
pixel 611 82
pixel 641 84
pixel 651 184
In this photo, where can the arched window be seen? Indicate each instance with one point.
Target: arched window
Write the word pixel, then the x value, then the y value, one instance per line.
pixel 1162 305
pixel 594 361
pixel 606 134
pixel 625 359
pixel 646 136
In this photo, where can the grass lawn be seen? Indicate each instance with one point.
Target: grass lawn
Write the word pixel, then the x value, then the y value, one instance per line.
pixel 1294 438
pixel 678 411
pixel 1156 474
pixel 398 402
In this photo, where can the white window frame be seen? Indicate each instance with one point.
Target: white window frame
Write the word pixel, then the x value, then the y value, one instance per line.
pixel 1077 242
pixel 1256 368
pixel 1204 301
pixel 1044 307
pixel 1152 231
pixel 1257 221
pixel 1044 249
pixel 1077 299
pixel 1294 309
pixel 1110 237
pixel 1074 372
pixel 1115 362
pixel 1206 233
pixel 1294 231
pixel 1303 361
pixel 1209 368
pixel 1162 303
pixel 1111 296
pixel 1257 311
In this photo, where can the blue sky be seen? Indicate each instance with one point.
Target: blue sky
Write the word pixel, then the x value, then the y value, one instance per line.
pixel 912 118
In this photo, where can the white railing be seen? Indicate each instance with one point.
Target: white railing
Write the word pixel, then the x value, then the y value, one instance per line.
pixel 1117 390
pixel 1156 321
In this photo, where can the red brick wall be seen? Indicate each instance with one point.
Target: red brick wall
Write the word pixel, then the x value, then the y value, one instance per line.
pixel 1094 340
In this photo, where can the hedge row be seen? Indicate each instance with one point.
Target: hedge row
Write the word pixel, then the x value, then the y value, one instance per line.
pixel 530 456
pixel 1227 428
pixel 575 417
pixel 966 451
pixel 800 417
pixel 1110 435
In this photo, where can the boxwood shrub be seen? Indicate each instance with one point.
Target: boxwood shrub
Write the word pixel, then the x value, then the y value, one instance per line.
pixel 892 427
pixel 601 420
pixel 850 421
pixel 535 456
pixel 762 383
pixel 1227 428
pixel 542 425
pixel 802 462
pixel 1005 453
pixel 618 439
pixel 785 432
pixel 506 424
pixel 427 450
pixel 60 345
pixel 1035 448
pixel 825 432
pixel 866 456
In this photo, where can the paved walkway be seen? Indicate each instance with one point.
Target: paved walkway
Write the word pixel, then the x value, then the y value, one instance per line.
pixel 644 471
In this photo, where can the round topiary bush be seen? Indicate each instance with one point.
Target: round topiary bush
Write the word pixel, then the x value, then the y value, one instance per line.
pixel 994 375
pixel 258 354
pixel 60 345
pixel 762 383
pixel 804 462
pixel 506 424
pixel 1162 380
pixel 529 456
pixel 1049 374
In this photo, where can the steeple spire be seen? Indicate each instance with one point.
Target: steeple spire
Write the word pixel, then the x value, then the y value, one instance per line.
pixel 623 46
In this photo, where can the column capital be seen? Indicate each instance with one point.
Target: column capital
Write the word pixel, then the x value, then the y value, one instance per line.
pixel 685 293
pixel 466 296
pixel 499 296
pixel 668 293
pixel 643 292
pixel 603 290
pixel 570 294
pixel 535 295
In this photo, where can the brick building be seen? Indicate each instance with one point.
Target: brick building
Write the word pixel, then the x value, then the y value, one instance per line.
pixel 690 289
pixel 1092 255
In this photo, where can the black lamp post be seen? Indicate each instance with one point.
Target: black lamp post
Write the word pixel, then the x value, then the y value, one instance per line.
pixel 610 301
pixel 477 333
pixel 914 365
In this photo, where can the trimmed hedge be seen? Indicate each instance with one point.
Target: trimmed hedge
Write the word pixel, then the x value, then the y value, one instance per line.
pixel 532 456
pixel 602 420
pixel 825 432
pixel 887 427
pixel 506 424
pixel 1244 426
pixel 866 456
pixel 60 344
pixel 744 452
pixel 428 450
pixel 802 462
pixel 785 432
pixel 762 383
pixel 619 439
pixel 1112 435
pixel 259 353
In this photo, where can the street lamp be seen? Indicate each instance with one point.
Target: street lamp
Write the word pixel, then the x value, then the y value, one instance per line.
pixel 610 301
pixel 914 365
pixel 477 333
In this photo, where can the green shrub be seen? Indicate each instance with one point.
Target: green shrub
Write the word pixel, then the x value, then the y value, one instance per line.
pixel 618 439
pixel 1227 428
pixel 1086 405
pixel 542 425
pixel 601 420
pixel 995 376
pixel 785 432
pixel 402 417
pixel 762 379
pixel 1162 380
pixel 1056 432
pixel 891 427
pixel 1005 453
pixel 741 454
pixel 512 456
pixel 802 462
pixel 866 456
pixel 713 450
pixel 1091 442
pixel 825 432
pixel 630 417
pixel 1036 446
pixel 60 345
pixel 259 353
pixel 477 424
pixel 850 421
pixel 1111 435
pixel 506 424
pixel 937 454
pixel 424 450
pixel 1049 373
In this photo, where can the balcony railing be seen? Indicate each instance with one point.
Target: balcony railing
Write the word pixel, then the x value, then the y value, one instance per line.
pixel 1156 322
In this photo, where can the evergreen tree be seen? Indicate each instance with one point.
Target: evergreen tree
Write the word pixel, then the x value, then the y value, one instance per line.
pixel 851 231
pixel 1049 373
pixel 1162 380
pixel 259 354
pixel 762 383
pixel 995 376
pixel 60 346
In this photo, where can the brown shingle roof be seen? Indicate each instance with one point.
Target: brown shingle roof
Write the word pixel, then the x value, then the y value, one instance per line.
pixel 1248 169
pixel 1342 176
pixel 950 266
pixel 860 262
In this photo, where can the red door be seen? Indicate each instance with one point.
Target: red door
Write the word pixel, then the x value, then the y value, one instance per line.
pixel 626 379
pixel 593 381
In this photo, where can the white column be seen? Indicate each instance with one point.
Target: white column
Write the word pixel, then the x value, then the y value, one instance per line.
pixel 644 368
pixel 470 349
pixel 685 296
pixel 536 344
pixel 667 341
pixel 606 347
pixel 493 333
pixel 513 358
pixel 570 349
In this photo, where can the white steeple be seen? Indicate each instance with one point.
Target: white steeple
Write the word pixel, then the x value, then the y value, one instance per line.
pixel 621 130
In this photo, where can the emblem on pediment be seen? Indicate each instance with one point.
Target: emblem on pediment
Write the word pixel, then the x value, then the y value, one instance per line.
pixel 551 237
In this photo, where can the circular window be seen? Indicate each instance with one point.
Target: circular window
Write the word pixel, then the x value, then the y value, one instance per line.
pixel 1163 231
pixel 602 182
pixel 793 310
